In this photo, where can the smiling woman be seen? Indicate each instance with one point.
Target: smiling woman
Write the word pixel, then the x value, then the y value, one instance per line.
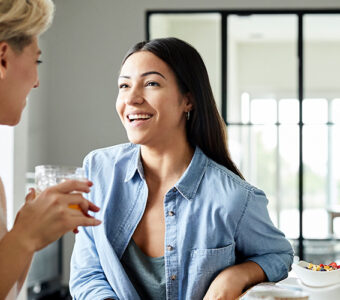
pixel 163 112
pixel 180 222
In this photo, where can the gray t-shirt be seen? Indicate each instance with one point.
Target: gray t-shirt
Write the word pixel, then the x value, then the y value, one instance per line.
pixel 146 273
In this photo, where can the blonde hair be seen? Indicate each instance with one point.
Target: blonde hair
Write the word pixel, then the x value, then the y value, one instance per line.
pixel 22 20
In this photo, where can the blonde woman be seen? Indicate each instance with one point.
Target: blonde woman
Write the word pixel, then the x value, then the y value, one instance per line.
pixel 45 218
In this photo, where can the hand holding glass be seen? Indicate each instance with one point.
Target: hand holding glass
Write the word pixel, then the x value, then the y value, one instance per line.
pixel 49 175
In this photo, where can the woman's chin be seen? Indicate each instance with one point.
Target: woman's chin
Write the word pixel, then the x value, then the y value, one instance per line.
pixel 14 122
pixel 135 139
pixel 11 121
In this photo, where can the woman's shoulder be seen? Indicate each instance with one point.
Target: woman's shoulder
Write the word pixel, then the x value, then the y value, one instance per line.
pixel 230 179
pixel 238 191
pixel 224 174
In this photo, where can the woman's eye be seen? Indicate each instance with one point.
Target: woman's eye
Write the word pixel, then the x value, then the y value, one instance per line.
pixel 152 83
pixel 39 62
pixel 123 86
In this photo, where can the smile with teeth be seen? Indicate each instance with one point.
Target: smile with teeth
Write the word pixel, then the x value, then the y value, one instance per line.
pixel 135 117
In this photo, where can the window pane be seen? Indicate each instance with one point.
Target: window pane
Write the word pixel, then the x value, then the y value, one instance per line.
pixel 201 30
pixel 315 111
pixel 263 111
pixel 321 85
pixel 288 180
pixel 315 153
pixel 334 177
pixel 289 111
pixel 261 59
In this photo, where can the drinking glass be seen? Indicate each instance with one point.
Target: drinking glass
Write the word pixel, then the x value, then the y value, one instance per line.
pixel 50 175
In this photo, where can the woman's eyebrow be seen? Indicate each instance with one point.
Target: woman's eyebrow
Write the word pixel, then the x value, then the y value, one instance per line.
pixel 144 74
pixel 153 72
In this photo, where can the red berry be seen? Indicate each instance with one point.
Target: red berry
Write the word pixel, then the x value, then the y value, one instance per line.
pixel 333 265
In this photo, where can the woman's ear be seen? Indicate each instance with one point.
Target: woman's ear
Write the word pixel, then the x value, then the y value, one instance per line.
pixel 189 102
pixel 4 48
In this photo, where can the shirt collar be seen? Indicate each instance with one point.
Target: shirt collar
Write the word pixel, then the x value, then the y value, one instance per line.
pixel 135 165
pixel 187 184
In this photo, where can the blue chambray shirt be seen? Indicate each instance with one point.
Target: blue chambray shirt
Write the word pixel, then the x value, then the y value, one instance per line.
pixel 213 219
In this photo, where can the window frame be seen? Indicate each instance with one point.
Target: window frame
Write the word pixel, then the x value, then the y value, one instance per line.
pixel 300 13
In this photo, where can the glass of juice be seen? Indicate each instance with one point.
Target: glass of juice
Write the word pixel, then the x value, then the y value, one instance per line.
pixel 50 175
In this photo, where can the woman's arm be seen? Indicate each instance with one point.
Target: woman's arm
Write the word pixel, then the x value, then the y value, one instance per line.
pixel 30 196
pixel 230 283
pixel 15 256
pixel 258 240
pixel 38 223
pixel 23 276
pixel 6 245
pixel 263 252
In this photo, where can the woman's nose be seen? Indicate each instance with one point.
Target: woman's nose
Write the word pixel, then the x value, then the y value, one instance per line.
pixel 36 84
pixel 134 97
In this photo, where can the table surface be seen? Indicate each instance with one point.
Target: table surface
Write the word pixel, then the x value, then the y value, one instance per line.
pixel 291 280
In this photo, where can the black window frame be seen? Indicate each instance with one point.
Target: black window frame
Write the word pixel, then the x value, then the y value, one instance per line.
pixel 300 13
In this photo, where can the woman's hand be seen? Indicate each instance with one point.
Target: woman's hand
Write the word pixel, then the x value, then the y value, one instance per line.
pixel 226 286
pixel 230 283
pixel 46 218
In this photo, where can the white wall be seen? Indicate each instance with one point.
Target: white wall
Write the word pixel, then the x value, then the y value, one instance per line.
pixel 73 110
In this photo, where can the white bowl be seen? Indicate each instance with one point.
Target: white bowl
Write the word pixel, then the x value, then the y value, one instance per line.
pixel 322 293
pixel 316 278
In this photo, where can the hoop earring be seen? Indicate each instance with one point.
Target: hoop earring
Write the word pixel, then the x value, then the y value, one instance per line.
pixel 188 115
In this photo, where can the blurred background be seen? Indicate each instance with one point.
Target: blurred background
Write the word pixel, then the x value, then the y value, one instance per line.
pixel 275 71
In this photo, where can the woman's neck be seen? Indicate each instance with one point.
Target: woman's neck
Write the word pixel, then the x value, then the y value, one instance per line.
pixel 166 164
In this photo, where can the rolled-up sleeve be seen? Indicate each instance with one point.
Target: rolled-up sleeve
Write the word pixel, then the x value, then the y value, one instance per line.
pixel 258 240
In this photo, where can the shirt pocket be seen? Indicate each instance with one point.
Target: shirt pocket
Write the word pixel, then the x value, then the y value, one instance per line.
pixel 204 266
pixel 212 260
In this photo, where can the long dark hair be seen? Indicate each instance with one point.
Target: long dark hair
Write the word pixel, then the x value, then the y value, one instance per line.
pixel 205 128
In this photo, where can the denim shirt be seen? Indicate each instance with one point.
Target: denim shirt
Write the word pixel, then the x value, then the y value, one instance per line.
pixel 213 219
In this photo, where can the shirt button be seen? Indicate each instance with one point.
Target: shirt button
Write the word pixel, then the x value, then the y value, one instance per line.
pixel 171 213
pixel 173 277
pixel 170 248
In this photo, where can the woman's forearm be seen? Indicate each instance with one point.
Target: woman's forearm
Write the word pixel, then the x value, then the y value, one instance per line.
pixel 231 282
pixel 249 273
pixel 23 276
pixel 15 258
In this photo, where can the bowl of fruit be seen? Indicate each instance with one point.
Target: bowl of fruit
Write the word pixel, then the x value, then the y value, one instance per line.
pixel 321 275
